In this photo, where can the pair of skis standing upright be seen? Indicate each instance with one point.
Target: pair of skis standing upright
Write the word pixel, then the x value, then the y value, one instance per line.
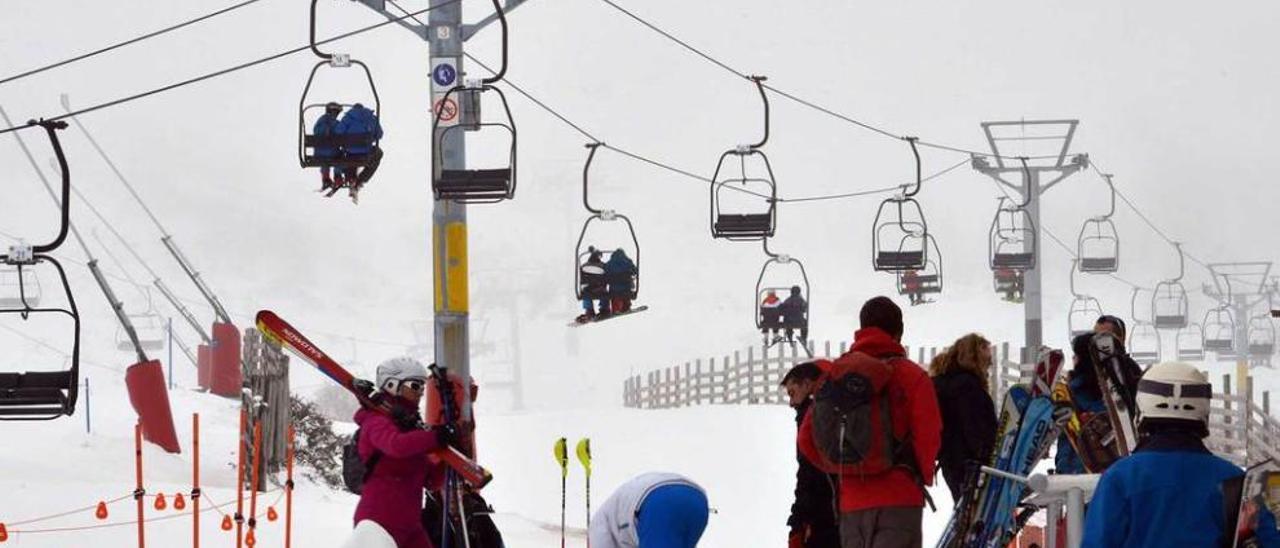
pixel 990 512
pixel 458 503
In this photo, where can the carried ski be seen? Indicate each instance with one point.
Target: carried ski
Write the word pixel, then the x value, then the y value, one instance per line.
pixel 1257 491
pixel 280 331
pixel 1106 361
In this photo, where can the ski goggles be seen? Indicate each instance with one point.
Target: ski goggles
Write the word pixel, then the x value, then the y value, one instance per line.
pixel 414 384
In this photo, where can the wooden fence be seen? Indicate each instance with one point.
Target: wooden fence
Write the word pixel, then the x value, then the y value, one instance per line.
pixel 1241 430
pixel 265 399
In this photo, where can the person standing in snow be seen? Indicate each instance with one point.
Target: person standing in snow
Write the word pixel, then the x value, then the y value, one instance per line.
pixel 813 515
pixel 1169 491
pixel 653 510
pixel 968 412
pixel 394 448
pixel 884 510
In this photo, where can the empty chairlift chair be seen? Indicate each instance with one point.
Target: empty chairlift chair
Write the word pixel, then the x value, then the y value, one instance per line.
pixel 1169 307
pixel 19 287
pixel 1144 344
pixel 1219 332
pixel 466 184
pixel 150 328
pixel 1262 337
pixel 1084 310
pixel 1098 246
pixel 41 395
pixel 744 191
pixel 1190 343
pixel 900 236
pixel 1012 239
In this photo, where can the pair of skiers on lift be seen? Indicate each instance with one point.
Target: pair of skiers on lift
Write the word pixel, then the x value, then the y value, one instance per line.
pixel 358 120
pixel 611 283
pixel 776 313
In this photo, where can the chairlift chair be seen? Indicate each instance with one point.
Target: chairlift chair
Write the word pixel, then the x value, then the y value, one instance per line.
pixel 19 287
pixel 742 224
pixel 1262 337
pixel 466 184
pixel 1098 246
pixel 781 320
pixel 584 249
pixel 1220 332
pixel 1084 310
pixel 308 142
pixel 1169 307
pixel 925 281
pixel 1012 239
pixel 150 328
pixel 43 395
pixel 1144 344
pixel 900 235
pixel 1190 343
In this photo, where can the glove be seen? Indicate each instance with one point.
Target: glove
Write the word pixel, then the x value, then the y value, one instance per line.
pixel 797 537
pixel 364 387
pixel 406 418
pixel 446 434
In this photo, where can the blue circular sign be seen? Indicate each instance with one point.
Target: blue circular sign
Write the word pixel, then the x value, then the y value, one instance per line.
pixel 444 74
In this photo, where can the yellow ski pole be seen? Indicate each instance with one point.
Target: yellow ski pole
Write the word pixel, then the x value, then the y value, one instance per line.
pixel 562 458
pixel 584 456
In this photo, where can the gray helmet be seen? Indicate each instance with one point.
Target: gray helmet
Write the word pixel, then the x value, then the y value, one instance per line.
pixel 391 372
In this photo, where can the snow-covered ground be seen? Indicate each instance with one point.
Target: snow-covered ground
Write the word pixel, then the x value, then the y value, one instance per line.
pixel 742 455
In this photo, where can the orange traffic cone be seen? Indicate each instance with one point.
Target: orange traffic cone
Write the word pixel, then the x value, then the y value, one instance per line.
pixel 101 512
pixel 226 523
pixel 271 513
pixel 160 504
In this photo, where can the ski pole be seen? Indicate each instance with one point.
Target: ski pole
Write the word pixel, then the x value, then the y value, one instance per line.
pixel 561 452
pixel 584 456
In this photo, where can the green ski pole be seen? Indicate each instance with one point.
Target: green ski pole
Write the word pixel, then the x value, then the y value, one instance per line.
pixel 562 458
pixel 584 456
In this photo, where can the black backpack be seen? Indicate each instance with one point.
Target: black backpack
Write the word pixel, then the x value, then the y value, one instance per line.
pixel 355 470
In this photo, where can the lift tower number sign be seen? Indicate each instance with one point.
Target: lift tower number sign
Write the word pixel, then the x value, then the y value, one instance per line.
pixel 444 76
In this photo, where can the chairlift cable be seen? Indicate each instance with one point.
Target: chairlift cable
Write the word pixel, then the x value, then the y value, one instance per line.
pixel 793 97
pixel 1145 219
pixel 229 70
pixel 124 43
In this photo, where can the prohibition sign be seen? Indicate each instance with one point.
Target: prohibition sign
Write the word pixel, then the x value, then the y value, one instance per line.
pixel 448 111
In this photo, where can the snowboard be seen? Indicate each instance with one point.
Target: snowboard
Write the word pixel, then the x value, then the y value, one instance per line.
pixel 1259 493
pixel 598 318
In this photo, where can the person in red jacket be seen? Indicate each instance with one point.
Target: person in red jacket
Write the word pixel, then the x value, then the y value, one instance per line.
pixel 884 510
pixel 392 491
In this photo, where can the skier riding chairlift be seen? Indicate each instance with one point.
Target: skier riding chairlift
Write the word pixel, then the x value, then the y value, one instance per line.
pixel 593 286
pixel 770 316
pixel 1009 282
pixel 795 315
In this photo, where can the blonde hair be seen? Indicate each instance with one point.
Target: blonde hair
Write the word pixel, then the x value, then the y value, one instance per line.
pixel 964 355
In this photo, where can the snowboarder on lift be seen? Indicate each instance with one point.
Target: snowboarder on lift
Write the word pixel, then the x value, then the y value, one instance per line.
pixel 795 314
pixel 394 449
pixel 325 127
pixel 593 286
pixel 619 272
pixel 657 509
pixel 1169 492
pixel 360 121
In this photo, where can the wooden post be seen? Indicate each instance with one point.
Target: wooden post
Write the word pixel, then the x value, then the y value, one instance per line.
pixel 195 480
pixel 750 370
pixel 138 493
pixel 697 383
pixel 1226 403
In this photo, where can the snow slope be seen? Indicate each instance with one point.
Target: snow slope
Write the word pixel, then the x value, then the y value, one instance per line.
pixel 742 455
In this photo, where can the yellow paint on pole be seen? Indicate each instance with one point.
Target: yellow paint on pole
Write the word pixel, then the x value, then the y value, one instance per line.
pixel 455 235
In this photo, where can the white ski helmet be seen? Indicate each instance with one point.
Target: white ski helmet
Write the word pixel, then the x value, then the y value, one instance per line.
pixel 1174 390
pixel 394 370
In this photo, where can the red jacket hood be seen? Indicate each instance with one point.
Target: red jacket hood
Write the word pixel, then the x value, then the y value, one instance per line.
pixel 873 341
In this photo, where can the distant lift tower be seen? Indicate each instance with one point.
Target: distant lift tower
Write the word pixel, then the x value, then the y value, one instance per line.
pixel 1045 145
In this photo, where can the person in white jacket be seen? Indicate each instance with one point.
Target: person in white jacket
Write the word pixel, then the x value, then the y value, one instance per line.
pixel 653 510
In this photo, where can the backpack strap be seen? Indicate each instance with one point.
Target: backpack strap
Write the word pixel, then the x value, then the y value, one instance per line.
pixel 373 461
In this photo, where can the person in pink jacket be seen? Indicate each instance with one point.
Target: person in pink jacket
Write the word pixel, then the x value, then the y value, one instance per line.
pixel 394 448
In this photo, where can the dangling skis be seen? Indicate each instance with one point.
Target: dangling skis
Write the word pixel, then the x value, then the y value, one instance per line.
pixel 280 331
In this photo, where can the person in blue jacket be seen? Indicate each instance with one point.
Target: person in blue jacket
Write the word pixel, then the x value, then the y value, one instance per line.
pixel 326 126
pixel 1168 493
pixel 619 271
pixel 652 510
pixel 360 121
pixel 1086 397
